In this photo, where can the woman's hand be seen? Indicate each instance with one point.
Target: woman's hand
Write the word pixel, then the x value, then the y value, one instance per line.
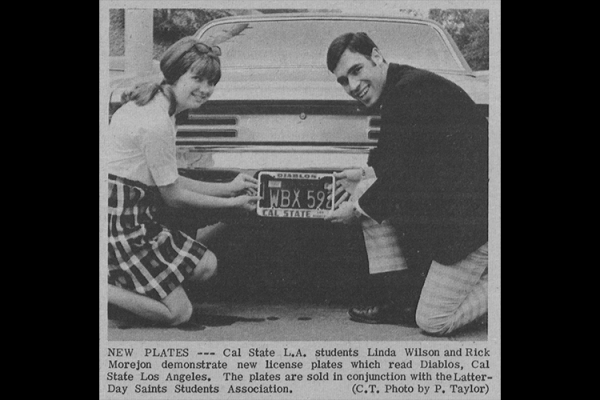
pixel 243 184
pixel 245 202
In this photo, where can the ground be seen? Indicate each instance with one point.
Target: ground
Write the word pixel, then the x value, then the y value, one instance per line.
pixel 289 282
pixel 276 322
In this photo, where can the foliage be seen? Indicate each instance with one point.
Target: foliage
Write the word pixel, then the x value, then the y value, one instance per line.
pixel 468 28
pixel 170 25
pixel 173 24
pixel 409 12
pixel 470 31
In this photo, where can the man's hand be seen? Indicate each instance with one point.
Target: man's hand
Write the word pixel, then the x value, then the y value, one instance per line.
pixel 345 183
pixel 243 184
pixel 345 214
pixel 348 179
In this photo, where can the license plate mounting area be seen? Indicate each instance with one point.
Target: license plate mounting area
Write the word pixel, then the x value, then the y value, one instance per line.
pixel 291 194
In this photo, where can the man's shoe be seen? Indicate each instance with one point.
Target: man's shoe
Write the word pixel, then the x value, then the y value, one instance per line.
pixel 384 314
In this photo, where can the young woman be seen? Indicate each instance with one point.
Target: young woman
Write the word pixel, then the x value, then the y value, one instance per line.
pixel 147 261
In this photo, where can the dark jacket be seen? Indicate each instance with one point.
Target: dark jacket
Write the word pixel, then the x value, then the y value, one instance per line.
pixel 431 163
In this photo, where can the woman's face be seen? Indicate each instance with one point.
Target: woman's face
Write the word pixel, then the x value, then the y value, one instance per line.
pixel 191 91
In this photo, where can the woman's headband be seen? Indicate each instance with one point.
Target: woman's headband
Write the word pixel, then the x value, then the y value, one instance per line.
pixel 202 48
pixel 178 50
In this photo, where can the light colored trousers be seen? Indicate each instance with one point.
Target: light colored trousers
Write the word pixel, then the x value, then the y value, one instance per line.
pixel 453 295
pixel 381 240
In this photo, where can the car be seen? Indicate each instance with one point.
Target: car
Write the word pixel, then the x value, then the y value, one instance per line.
pixel 277 109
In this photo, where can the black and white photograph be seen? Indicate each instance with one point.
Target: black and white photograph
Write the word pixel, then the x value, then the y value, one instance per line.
pixel 303 199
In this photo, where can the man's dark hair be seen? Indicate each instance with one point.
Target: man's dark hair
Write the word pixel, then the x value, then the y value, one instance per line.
pixel 357 42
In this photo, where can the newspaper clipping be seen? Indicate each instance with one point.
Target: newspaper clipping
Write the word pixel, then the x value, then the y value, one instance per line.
pixel 303 199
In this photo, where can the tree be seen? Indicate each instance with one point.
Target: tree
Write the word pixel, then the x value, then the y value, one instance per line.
pixel 171 25
pixel 470 31
pixel 409 12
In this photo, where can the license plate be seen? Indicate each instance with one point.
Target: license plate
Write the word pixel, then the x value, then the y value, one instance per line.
pixel 295 194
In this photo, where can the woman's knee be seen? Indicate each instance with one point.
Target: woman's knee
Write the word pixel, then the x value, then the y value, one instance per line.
pixel 181 314
pixel 207 267
pixel 179 307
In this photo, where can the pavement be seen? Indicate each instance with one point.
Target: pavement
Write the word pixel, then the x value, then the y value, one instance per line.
pixel 248 321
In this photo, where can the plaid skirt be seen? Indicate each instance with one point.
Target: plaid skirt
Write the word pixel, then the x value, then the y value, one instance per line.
pixel 143 255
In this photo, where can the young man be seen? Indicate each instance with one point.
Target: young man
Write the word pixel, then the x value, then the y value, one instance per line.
pixel 431 169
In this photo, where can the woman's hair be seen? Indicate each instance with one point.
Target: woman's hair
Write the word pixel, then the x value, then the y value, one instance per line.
pixel 358 42
pixel 187 54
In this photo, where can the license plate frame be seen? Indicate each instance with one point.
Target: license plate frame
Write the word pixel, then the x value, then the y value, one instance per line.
pixel 297 184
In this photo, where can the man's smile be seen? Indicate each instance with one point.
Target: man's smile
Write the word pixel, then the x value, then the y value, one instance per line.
pixel 362 93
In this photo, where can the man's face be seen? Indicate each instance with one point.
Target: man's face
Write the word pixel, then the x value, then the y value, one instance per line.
pixel 361 77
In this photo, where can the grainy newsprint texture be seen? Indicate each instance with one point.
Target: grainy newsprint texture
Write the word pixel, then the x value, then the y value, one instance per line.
pixel 273 322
